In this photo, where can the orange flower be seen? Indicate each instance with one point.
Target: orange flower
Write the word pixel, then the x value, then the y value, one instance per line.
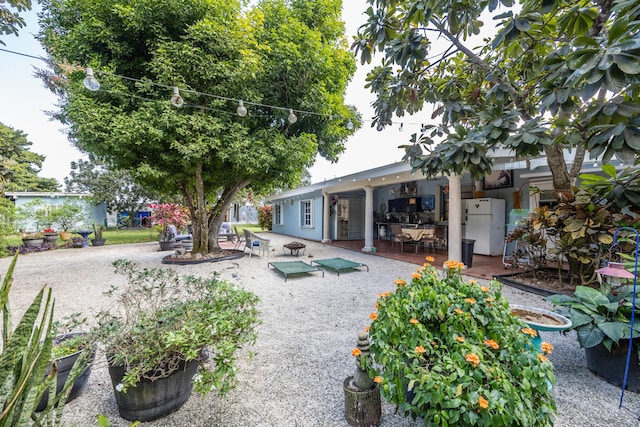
pixel 366 329
pixel 356 352
pixel 416 275
pixel 419 269
pixel 375 306
pixel 482 402
pixel 377 379
pixel 542 357
pixel 472 358
pixel 470 300
pixel 420 349
pixel 491 343
pixel 484 289
pixel 547 348
pixel 530 331
pixel 414 321
pixel 384 295
pixel 430 259
pixel 373 316
pixel 460 339
pixel 490 300
pixel 399 282
pixel 472 282
pixel 457 310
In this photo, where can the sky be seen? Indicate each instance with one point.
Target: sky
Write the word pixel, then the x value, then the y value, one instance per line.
pixel 26 102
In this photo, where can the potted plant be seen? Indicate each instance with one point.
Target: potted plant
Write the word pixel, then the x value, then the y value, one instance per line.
pixel 98 240
pixel 50 235
pixel 71 350
pixel 166 217
pixel 451 352
pixel 162 328
pixel 24 358
pixel 66 217
pixel 602 318
pixel 33 238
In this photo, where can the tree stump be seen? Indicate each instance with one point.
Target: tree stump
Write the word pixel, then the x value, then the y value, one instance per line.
pixel 362 408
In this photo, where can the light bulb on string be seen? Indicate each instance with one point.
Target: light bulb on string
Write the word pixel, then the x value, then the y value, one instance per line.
pixel 292 117
pixel 401 127
pixel 423 128
pixel 349 125
pixel 90 81
pixel 241 110
pixel 379 127
pixel 176 99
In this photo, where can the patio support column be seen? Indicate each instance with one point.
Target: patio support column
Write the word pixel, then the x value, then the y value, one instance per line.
pixel 454 239
pixel 326 206
pixel 368 219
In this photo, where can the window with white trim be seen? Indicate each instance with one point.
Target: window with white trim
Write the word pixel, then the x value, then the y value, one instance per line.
pixel 277 215
pixel 306 215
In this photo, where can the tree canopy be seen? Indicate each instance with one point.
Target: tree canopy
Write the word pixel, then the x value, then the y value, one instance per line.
pixel 559 76
pixel 19 167
pixel 10 19
pixel 115 188
pixel 277 56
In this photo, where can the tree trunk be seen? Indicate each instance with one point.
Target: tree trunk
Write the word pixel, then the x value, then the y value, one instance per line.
pixel 362 408
pixel 559 172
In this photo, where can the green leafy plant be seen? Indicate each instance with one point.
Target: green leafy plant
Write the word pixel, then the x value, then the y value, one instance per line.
pixel 451 352
pixel 97 231
pixel 67 215
pixel 599 315
pixel 26 353
pixel 160 319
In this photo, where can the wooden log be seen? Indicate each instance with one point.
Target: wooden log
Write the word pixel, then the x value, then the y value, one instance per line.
pixel 362 408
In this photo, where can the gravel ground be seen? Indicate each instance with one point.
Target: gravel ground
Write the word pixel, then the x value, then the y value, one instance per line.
pixel 303 352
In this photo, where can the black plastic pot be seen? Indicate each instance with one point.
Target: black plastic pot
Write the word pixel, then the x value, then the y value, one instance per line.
pixel 610 365
pixel 98 242
pixel 64 365
pixel 150 400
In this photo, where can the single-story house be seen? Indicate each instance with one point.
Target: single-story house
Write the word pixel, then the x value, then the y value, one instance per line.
pixel 361 206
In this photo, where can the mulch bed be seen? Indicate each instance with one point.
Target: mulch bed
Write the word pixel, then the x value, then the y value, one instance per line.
pixel 541 282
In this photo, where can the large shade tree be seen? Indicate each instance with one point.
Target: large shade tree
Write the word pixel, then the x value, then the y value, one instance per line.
pixel 10 19
pixel 558 77
pixel 276 55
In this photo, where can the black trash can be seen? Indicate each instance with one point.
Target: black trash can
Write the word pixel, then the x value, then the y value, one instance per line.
pixel 467 252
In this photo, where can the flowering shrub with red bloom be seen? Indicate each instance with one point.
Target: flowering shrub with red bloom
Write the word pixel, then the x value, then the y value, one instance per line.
pixel 451 352
pixel 166 214
pixel 48 230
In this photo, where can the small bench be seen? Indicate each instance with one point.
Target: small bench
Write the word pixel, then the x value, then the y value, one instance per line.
pixel 293 267
pixel 295 248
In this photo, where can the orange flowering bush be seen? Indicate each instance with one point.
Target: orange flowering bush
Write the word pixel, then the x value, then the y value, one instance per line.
pixel 451 352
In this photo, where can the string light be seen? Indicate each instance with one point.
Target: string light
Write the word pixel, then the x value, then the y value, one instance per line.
pixel 92 84
pixel 401 127
pixel 292 117
pixel 349 125
pixel 90 81
pixel 423 128
pixel 176 99
pixel 241 110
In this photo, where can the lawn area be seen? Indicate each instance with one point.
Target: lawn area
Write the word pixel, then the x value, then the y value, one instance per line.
pixel 137 235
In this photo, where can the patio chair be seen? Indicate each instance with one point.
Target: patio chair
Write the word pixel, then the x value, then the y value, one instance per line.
pixel 428 240
pixel 397 236
pixel 440 235
pixel 255 243
pixel 240 238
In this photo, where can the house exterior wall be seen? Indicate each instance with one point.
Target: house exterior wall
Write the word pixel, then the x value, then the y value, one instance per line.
pixel 95 214
pixel 292 216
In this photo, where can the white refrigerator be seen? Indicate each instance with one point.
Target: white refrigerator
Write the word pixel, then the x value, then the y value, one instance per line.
pixel 484 222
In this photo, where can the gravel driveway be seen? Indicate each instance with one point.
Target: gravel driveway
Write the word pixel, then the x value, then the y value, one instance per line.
pixel 303 352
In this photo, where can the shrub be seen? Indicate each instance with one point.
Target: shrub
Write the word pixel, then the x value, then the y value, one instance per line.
pixel 451 352
pixel 265 214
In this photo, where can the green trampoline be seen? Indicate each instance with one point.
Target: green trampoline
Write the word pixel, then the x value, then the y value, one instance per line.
pixel 293 267
pixel 339 264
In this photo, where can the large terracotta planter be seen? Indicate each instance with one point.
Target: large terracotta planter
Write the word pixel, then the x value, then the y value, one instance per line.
pixel 150 400
pixel 610 365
